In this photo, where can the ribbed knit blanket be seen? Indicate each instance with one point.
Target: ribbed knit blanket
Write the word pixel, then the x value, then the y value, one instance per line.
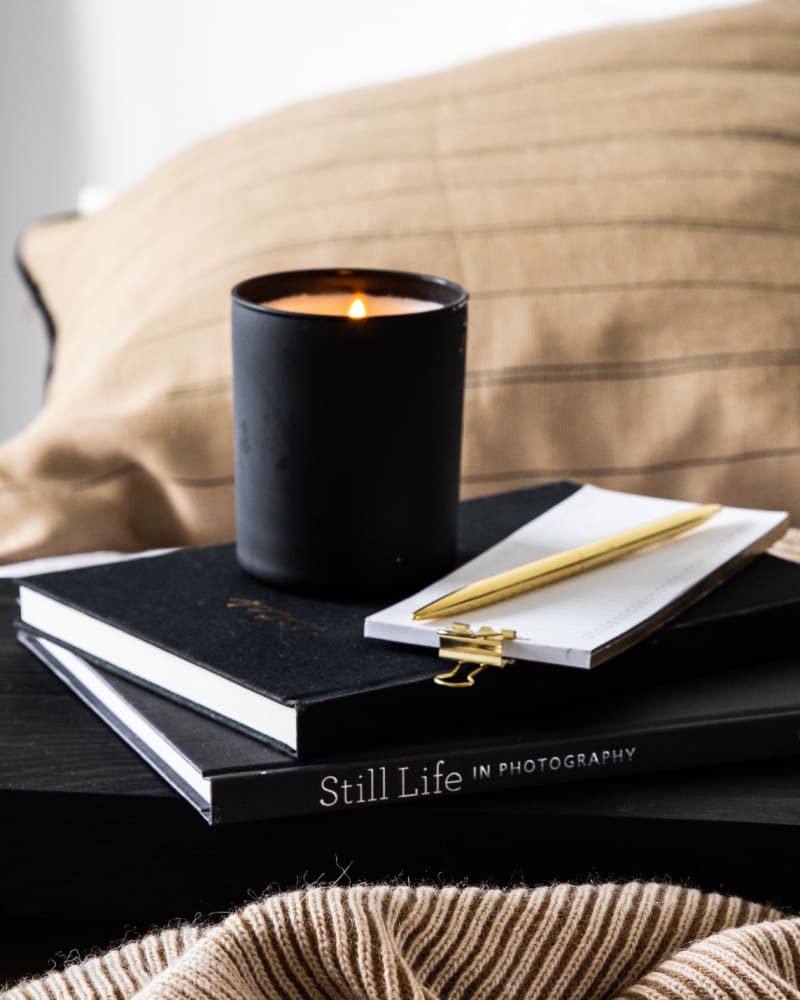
pixel 637 941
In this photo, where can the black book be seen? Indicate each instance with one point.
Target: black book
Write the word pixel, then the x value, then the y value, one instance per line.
pixel 750 713
pixel 297 670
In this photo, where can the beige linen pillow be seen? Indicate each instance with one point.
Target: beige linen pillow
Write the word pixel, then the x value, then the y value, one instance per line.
pixel 623 206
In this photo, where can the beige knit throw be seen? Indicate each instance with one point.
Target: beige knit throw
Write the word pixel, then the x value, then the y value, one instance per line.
pixel 637 941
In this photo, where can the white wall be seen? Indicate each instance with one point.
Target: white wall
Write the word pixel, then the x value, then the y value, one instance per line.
pixel 41 165
pixel 98 91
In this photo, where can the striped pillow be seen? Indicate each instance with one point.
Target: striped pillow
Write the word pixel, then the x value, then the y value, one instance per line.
pixel 624 207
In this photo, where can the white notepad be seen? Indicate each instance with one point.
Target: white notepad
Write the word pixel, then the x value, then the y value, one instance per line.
pixel 583 620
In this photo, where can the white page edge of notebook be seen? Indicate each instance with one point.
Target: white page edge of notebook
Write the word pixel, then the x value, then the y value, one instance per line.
pixel 394 623
pixel 142 659
pixel 94 684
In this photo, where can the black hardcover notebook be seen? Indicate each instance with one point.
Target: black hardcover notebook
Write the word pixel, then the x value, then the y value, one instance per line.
pixel 297 670
pixel 750 713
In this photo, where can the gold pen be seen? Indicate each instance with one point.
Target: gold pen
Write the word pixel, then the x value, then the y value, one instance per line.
pixel 542 572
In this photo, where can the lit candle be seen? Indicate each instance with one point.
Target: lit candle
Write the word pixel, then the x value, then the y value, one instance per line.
pixel 348 394
pixel 356 305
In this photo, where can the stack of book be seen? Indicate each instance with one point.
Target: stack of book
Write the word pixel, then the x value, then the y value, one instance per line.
pixel 253 702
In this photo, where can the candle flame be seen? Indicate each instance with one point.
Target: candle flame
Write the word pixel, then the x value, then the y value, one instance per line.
pixel 357 308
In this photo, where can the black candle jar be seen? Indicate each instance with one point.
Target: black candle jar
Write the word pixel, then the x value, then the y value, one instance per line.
pixel 348 432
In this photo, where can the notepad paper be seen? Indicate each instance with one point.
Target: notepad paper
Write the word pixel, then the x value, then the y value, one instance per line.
pixel 580 621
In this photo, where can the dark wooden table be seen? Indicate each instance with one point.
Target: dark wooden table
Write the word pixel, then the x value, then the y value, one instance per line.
pixel 96 847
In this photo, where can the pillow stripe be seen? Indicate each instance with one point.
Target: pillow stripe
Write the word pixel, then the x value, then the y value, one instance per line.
pixel 676 284
pixel 628 470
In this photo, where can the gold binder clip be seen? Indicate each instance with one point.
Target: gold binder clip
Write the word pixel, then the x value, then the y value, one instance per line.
pixel 461 643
